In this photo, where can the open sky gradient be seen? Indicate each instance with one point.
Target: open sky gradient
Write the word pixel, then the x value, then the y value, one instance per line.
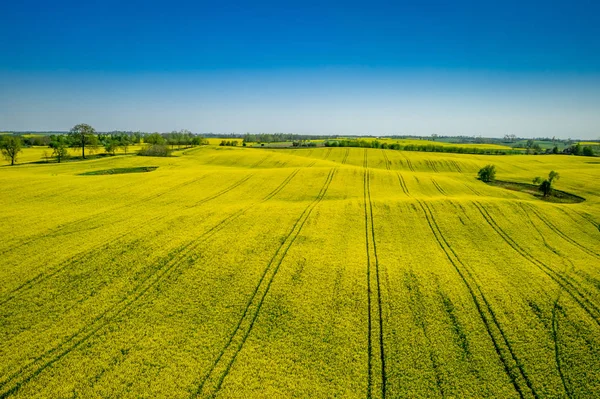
pixel 529 68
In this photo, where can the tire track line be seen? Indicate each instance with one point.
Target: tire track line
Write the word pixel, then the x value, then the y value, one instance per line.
pixel 512 365
pixel 226 358
pixel 43 276
pixel 587 305
pixel 556 348
pixel 369 220
pixel 97 248
pixel 281 186
pixel 457 166
pixel 439 188
pixel 431 164
pixel 403 184
pixel 260 161
pixel 346 156
pixel 224 191
pixel 408 162
pixel 565 237
pixel 169 264
pixel 53 232
pixel 386 160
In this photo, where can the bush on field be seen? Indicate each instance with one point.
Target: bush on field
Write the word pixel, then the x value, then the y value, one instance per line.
pixel 155 150
pixel 487 173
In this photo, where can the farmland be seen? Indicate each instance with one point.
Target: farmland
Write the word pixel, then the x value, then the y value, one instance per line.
pixel 318 272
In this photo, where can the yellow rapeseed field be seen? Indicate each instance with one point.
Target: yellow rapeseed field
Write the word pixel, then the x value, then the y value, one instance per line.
pixel 313 272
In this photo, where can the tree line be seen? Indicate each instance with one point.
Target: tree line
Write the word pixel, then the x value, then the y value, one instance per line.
pixel 417 147
pixel 281 137
pixel 83 136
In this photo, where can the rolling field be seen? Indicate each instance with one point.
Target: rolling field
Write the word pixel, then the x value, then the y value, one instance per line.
pixel 323 272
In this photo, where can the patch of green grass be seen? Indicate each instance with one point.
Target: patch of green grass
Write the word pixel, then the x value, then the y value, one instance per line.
pixel 556 195
pixel 119 171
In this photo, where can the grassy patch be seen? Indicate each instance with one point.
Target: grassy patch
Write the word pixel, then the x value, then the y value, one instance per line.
pixel 120 171
pixel 556 196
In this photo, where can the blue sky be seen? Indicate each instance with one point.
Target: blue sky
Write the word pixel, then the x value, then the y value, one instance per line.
pixel 422 67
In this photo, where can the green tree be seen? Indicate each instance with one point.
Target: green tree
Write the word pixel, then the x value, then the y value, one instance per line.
pixel 82 135
pixel 576 149
pixel 60 147
pixel 545 185
pixel 124 142
pixel 487 173
pixel 111 145
pixel 154 138
pixel 10 147
pixel 588 152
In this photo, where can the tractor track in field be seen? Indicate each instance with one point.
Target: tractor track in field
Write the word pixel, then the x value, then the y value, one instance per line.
pixel 99 247
pixel 457 166
pixel 327 154
pixel 54 231
pixel 432 166
pixel 565 237
pixel 168 264
pixel 583 215
pixel 439 188
pixel 403 184
pixel 408 162
pixel 588 218
pixel 386 160
pixel 415 299
pixel 260 161
pixel 586 304
pixel 222 192
pixel 542 236
pixel 557 349
pixel 554 333
pixel 41 277
pixel 230 351
pixel 346 156
pixel 281 186
pixel 515 371
pixel 477 193
pixel 369 220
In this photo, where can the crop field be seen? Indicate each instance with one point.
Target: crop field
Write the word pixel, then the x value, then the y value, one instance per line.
pixel 318 272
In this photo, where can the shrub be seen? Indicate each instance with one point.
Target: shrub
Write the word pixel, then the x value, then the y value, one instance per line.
pixel 487 173
pixel 155 150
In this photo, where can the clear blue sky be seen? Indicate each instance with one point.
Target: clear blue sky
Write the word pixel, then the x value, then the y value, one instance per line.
pixel 529 68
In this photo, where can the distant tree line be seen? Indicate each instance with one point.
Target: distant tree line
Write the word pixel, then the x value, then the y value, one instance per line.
pixel 183 138
pixel 85 137
pixel 281 137
pixel 228 143
pixel 578 149
pixel 418 147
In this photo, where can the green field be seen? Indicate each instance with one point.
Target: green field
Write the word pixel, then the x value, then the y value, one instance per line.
pixel 323 272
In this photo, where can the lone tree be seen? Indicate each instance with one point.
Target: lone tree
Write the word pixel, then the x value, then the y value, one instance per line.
pixel 82 135
pixel 546 184
pixel 10 147
pixel 487 173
